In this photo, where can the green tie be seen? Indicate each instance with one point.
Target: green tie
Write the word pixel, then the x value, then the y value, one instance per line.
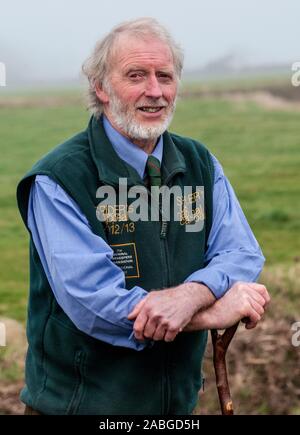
pixel 153 171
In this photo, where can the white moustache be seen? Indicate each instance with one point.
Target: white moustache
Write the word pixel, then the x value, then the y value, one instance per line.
pixel 164 104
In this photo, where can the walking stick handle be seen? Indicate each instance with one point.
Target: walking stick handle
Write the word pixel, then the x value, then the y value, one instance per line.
pixel 221 343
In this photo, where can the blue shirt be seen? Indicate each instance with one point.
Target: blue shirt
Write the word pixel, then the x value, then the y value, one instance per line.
pixel 90 288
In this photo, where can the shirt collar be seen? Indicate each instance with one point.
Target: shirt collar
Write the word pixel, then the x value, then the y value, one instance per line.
pixel 111 168
pixel 128 151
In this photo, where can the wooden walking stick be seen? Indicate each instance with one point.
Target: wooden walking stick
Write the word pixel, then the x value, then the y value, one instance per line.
pixel 220 345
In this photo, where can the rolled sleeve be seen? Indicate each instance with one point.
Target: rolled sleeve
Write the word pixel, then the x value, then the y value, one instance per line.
pixel 86 283
pixel 233 253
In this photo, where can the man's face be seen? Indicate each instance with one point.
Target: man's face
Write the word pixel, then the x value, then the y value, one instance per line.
pixel 139 95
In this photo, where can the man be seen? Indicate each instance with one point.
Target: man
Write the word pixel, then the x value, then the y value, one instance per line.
pixel 119 309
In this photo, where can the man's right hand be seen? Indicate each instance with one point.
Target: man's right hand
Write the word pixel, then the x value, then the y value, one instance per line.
pixel 243 300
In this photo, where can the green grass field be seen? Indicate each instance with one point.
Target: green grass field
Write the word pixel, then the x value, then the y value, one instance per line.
pixel 258 149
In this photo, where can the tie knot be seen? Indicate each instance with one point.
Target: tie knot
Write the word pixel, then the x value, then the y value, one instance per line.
pixel 153 171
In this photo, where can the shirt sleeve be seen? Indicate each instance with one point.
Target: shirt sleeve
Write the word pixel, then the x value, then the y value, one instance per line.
pixel 86 283
pixel 233 253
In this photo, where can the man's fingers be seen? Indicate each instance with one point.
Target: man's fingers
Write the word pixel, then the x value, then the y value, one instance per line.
pixel 250 325
pixel 171 335
pixel 262 290
pixel 134 313
pixel 257 307
pixel 255 315
pixel 253 318
pixel 139 325
pixel 159 333
pixel 150 329
pixel 258 298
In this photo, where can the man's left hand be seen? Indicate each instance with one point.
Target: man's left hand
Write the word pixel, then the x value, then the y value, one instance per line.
pixel 162 314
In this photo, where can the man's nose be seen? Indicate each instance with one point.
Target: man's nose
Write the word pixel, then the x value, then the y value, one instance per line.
pixel 153 89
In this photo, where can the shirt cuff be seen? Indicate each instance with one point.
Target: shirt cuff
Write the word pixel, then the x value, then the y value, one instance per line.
pixel 217 284
pixel 141 345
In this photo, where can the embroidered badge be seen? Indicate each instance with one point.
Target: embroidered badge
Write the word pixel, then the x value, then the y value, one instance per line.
pixel 125 257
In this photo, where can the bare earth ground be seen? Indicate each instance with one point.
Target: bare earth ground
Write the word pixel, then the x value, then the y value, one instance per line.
pixel 264 372
pixel 12 367
pixel 9 398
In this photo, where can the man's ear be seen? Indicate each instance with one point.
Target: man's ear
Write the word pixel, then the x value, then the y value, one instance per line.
pixel 101 94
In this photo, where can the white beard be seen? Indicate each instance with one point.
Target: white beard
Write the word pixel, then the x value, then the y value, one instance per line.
pixel 124 118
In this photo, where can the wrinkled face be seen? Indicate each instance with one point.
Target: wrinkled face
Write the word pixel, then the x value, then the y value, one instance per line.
pixel 140 92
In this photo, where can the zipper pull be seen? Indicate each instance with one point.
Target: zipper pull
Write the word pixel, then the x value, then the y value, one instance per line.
pixel 163 231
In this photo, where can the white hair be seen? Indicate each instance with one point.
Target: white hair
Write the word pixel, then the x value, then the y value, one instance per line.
pixel 97 64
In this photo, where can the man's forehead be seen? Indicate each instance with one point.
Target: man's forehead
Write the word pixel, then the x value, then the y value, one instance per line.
pixel 131 50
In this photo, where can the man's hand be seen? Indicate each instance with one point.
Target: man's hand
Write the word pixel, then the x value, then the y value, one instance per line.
pixel 244 301
pixel 164 313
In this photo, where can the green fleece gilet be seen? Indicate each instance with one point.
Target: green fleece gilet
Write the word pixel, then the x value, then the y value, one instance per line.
pixel 70 372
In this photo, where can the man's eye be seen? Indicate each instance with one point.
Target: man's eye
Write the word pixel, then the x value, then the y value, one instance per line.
pixel 135 76
pixel 165 77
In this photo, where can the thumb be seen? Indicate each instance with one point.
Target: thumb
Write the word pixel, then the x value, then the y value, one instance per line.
pixel 134 313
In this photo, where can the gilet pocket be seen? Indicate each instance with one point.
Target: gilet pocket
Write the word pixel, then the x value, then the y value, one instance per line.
pixel 75 401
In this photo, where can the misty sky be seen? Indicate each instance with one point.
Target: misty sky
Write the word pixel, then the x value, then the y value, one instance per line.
pixel 50 39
